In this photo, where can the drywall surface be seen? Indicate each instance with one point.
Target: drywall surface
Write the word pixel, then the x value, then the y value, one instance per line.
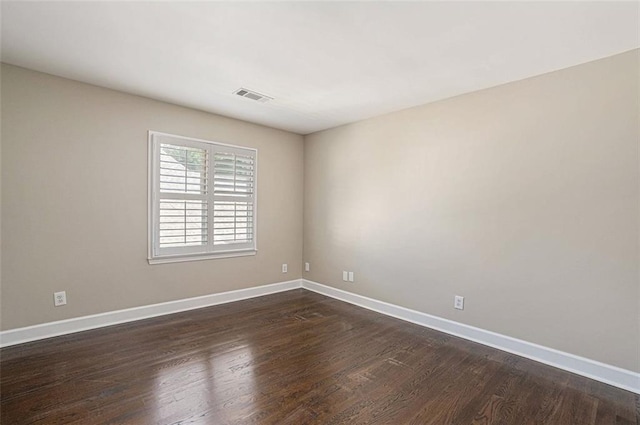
pixel 74 201
pixel 523 198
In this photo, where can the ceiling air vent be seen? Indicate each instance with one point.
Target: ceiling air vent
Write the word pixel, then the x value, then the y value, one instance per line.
pixel 250 94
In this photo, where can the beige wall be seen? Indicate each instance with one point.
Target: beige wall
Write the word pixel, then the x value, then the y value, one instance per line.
pixel 523 198
pixel 74 201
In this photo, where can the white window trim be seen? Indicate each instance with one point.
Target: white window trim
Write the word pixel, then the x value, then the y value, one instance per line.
pixel 153 183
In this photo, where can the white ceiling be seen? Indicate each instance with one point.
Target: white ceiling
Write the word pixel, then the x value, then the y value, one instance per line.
pixel 325 63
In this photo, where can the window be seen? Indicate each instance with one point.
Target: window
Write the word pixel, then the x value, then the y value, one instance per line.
pixel 202 199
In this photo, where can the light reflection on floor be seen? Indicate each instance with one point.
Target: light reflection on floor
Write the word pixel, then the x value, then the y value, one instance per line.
pixel 207 386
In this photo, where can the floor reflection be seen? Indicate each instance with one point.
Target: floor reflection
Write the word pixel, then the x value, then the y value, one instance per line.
pixel 201 389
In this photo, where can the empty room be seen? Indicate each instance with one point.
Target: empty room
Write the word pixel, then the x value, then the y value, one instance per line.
pixel 332 212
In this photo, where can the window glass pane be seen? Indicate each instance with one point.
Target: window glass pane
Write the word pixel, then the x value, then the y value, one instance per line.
pixel 233 174
pixel 183 169
pixel 232 222
pixel 182 223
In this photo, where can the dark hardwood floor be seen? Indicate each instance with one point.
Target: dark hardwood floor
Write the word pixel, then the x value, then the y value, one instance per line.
pixel 290 358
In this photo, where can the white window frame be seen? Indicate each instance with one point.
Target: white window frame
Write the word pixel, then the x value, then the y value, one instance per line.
pixel 157 255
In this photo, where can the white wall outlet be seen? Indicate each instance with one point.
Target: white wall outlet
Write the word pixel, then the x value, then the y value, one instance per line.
pixel 307 267
pixel 458 302
pixel 59 298
pixel 285 267
pixel 345 276
pixel 350 276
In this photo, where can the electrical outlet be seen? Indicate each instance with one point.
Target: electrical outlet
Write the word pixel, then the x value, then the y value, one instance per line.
pixel 59 298
pixel 350 276
pixel 458 302
pixel 284 268
pixel 345 276
pixel 307 267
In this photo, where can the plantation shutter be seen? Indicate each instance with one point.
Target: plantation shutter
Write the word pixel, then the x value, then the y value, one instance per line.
pixel 183 206
pixel 233 198
pixel 203 197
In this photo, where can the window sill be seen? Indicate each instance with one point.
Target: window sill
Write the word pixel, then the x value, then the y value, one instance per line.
pixel 198 257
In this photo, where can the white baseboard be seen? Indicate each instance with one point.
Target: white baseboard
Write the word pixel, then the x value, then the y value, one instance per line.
pixel 602 372
pixel 84 323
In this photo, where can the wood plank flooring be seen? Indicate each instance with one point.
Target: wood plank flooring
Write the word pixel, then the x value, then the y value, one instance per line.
pixel 290 358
